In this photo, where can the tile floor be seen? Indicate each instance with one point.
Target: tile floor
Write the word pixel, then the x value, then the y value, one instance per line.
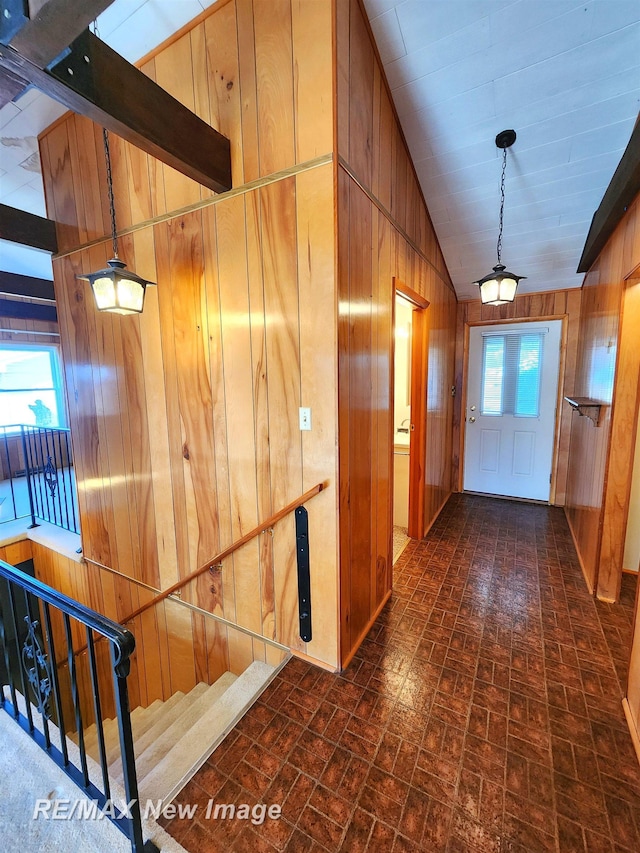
pixel 400 541
pixel 482 712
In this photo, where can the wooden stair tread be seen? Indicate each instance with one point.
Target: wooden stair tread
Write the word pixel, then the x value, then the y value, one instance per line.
pixel 160 777
pixel 171 711
pixel 191 713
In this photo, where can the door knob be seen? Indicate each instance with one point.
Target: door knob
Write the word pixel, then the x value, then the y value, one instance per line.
pixel 472 420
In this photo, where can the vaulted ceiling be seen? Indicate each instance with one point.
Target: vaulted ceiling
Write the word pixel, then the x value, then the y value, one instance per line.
pixel 565 75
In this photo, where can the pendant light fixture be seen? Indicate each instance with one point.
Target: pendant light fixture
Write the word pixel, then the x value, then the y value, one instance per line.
pixel 500 285
pixel 115 288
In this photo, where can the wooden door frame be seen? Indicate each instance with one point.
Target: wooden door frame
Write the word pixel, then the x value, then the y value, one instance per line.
pixel 564 331
pixel 419 376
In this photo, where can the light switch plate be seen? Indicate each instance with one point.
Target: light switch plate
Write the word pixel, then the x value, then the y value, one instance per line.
pixel 305 418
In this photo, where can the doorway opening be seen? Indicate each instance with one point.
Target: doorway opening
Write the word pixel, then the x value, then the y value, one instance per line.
pixel 511 409
pixel 409 387
pixel 401 423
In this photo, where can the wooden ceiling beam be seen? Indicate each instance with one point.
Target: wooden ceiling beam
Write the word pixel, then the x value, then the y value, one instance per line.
pixel 623 188
pixel 10 86
pixel 13 284
pixel 45 32
pixel 18 226
pixel 94 81
pixel 28 311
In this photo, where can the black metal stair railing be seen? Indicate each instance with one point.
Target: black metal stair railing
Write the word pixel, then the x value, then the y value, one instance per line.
pixel 50 481
pixel 37 476
pixel 39 628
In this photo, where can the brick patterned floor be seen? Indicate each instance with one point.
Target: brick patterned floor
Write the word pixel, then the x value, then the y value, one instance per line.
pixel 482 712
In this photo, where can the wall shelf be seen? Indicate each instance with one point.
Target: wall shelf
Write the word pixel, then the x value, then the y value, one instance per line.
pixel 586 406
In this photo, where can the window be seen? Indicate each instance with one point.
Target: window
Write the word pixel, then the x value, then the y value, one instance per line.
pixel 511 366
pixel 30 386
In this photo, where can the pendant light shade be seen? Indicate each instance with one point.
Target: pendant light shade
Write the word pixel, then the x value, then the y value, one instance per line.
pixel 500 285
pixel 115 288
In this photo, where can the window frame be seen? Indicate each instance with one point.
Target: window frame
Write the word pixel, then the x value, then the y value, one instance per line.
pixel 57 375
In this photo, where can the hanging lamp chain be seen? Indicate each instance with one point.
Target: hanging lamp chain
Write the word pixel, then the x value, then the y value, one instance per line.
pixel 112 207
pixel 107 158
pixel 504 169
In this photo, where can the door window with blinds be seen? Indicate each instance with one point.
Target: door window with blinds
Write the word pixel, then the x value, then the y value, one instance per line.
pixel 511 368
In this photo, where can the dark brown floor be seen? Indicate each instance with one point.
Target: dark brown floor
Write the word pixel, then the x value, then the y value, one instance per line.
pixel 482 713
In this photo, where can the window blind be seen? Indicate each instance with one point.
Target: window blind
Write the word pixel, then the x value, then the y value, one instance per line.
pixel 511 369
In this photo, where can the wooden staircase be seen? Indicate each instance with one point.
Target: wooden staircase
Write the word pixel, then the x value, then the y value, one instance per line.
pixel 173 739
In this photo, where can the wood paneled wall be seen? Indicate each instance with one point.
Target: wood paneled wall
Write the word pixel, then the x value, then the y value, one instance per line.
pixel 16 552
pixel 176 647
pixel 384 231
pixel 608 369
pixel 259 71
pixel 185 420
pixel 561 304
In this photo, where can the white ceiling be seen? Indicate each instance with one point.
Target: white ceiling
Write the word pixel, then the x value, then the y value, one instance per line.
pixel 565 75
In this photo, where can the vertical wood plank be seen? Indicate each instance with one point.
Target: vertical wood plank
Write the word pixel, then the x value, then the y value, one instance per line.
pixel 385 313
pixel 223 84
pixel 248 89
pixel 157 435
pixel 315 239
pixel 194 386
pixel 120 177
pixel 360 97
pixel 217 649
pixel 219 596
pixel 240 651
pixel 274 78
pixel 140 196
pixel 622 447
pixel 344 410
pixel 180 191
pixel 385 159
pixel 78 337
pixel 278 219
pixel 61 188
pixel 239 412
pixel 360 438
pixel 180 647
pixel 156 167
pixel 87 168
pixel 138 428
pixel 313 83
pixel 342 41
pixel 261 407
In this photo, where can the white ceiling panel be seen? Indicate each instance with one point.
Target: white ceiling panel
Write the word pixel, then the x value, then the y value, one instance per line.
pixel 435 55
pixel 564 75
pixel 386 30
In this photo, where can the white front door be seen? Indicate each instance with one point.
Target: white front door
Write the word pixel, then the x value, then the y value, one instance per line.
pixel 512 392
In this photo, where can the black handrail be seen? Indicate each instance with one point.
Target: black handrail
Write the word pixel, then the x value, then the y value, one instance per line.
pixel 34 659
